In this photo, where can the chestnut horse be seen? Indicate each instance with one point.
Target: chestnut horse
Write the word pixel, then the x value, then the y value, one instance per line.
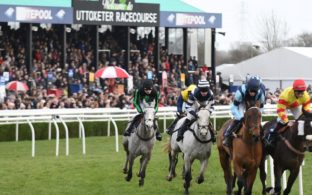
pixel 288 152
pixel 246 152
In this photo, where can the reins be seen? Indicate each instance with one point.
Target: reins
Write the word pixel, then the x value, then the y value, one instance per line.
pixel 143 138
pixel 199 140
pixel 290 146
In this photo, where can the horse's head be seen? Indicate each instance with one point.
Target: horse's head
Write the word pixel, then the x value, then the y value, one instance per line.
pixel 252 103
pixel 304 127
pixel 203 119
pixel 252 122
pixel 149 115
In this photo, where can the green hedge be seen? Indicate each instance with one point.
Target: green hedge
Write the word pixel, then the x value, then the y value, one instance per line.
pixel 7 132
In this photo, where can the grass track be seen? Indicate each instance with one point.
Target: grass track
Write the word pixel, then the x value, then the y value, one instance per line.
pixel 100 170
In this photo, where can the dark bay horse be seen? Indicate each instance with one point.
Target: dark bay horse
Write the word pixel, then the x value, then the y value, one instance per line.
pixel 246 152
pixel 140 143
pixel 288 152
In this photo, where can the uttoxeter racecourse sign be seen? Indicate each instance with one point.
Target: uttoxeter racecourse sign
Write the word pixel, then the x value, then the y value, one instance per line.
pixel 115 12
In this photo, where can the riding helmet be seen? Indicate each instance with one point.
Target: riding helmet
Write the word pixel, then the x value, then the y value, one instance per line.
pixel 203 85
pixel 299 85
pixel 148 84
pixel 253 84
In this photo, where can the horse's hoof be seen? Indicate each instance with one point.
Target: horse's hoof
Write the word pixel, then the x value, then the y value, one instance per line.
pixel 169 178
pixel 237 193
pixel 269 190
pixel 141 183
pixel 125 171
pixel 199 180
pixel 127 178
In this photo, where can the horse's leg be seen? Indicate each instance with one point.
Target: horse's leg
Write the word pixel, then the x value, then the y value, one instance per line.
pixel 125 169
pixel 176 159
pixel 262 175
pixel 141 160
pixel 241 177
pixel 125 145
pixel 250 179
pixel 131 160
pixel 145 161
pixel 188 173
pixel 278 171
pixel 183 168
pixel 240 184
pixel 225 162
pixel 203 167
pixel 291 179
pixel 172 164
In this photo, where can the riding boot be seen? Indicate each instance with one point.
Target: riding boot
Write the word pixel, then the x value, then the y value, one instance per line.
pixel 229 132
pixel 130 127
pixel 272 137
pixel 213 136
pixel 212 133
pixel 171 127
pixel 182 129
pixel 158 134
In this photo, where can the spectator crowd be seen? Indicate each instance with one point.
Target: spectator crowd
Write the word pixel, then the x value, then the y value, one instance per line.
pixel 50 84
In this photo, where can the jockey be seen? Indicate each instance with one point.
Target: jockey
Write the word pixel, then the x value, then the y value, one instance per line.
pixel 148 93
pixel 181 103
pixel 246 92
pixel 295 99
pixel 203 95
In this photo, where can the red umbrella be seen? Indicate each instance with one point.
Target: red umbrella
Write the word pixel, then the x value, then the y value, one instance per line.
pixel 111 72
pixel 17 86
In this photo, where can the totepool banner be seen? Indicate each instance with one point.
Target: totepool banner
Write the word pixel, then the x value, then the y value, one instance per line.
pixel 47 3
pixel 53 15
pixel 190 20
pixel 115 12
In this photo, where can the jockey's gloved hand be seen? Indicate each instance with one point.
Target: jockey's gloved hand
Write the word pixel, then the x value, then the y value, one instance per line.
pixel 211 110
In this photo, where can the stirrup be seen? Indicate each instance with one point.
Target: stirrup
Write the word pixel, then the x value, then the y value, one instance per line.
pixel 226 142
pixel 159 137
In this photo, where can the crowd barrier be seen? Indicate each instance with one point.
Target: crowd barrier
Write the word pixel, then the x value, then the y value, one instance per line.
pixel 110 115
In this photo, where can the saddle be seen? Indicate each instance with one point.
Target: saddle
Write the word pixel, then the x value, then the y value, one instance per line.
pixel 266 136
pixel 283 129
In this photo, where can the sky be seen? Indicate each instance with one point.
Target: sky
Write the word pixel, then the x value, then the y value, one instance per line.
pixel 241 18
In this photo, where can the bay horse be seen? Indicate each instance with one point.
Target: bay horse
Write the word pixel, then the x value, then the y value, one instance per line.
pixel 196 144
pixel 288 152
pixel 140 143
pixel 245 153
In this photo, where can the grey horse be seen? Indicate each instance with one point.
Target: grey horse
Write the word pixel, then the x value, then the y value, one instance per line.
pixel 195 145
pixel 140 143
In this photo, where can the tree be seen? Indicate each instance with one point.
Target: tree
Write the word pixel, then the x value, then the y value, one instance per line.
pixel 302 40
pixel 238 53
pixel 273 32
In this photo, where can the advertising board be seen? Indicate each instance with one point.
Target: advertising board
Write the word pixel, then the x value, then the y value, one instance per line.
pixel 34 14
pixel 115 12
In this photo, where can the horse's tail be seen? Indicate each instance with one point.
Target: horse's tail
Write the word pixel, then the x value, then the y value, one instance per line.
pixel 167 146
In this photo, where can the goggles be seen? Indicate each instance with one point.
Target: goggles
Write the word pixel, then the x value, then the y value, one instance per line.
pixel 299 91
pixel 203 89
